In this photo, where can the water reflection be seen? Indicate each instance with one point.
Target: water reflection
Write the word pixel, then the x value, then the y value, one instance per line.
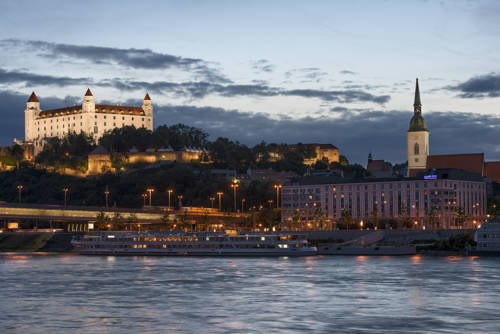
pixel 342 294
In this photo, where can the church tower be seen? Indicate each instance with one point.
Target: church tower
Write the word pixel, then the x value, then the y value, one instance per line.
pixel 30 113
pixel 418 138
pixel 147 106
pixel 88 105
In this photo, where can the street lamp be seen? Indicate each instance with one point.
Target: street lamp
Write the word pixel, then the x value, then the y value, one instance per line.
pixel 20 189
pixel 170 191
pixel 65 190
pixel 106 193
pixel 234 186
pixel 180 200
pixel 144 196
pixel 361 225
pixel 212 199
pixel 270 203
pixel 150 191
pixel 220 199
pixel 243 200
pixel 277 187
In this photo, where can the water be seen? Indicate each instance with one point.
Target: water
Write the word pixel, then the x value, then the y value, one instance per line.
pixel 83 294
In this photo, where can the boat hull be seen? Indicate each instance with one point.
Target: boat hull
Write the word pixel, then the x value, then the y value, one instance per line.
pixel 180 252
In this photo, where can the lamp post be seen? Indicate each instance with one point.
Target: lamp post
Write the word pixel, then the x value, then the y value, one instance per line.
pixel 150 191
pixel 106 193
pixel 144 196
pixel 180 200
pixel 65 190
pixel 220 199
pixel 234 186
pixel 270 203
pixel 243 200
pixel 212 199
pixel 170 191
pixel 20 189
pixel 277 187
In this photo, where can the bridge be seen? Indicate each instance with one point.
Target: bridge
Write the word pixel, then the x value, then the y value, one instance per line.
pixel 76 218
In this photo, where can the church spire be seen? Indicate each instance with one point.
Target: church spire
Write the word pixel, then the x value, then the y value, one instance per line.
pixel 417 105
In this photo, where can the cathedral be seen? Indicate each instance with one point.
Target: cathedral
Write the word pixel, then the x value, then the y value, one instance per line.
pixel 89 117
pixel 420 161
pixel 418 138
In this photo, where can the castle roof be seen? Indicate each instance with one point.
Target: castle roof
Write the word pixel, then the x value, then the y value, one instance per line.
pixel 99 108
pixel 33 98
pixel 99 150
pixel 88 93
pixel 147 98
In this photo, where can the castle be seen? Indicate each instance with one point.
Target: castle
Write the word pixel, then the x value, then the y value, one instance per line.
pixel 89 117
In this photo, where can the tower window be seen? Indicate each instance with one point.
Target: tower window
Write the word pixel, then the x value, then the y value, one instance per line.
pixel 416 149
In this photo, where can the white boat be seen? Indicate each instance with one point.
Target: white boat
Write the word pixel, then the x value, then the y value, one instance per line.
pixel 487 238
pixel 202 244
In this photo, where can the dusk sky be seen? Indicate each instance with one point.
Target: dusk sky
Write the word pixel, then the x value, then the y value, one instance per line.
pixel 278 71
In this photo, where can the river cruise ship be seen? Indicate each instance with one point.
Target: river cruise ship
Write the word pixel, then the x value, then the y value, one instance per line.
pixel 203 244
pixel 487 238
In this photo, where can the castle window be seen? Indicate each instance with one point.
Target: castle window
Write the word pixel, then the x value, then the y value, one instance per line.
pixel 104 123
pixel 123 118
pixel 104 116
pixel 132 118
pixel 416 149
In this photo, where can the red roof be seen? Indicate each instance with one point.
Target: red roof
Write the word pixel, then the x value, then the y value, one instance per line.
pixel 33 98
pixel 472 163
pixel 147 97
pixel 492 170
pixel 99 108
pixel 379 166
pixel 88 93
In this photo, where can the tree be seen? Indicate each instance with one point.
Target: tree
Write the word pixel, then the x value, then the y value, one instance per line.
pixel 17 152
pixel 432 217
pixel 461 217
pixel 347 217
pixel 102 221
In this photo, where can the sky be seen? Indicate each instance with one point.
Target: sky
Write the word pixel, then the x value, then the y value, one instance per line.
pixel 339 72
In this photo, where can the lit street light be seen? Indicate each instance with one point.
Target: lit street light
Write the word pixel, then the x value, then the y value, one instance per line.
pixel 150 191
pixel 270 203
pixel 106 193
pixel 220 199
pixel 180 197
pixel 144 196
pixel 20 189
pixel 170 191
pixel 243 200
pixel 277 187
pixel 212 199
pixel 65 190
pixel 234 186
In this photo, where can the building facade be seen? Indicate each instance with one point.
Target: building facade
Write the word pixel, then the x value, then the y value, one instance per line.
pixel 89 117
pixel 443 203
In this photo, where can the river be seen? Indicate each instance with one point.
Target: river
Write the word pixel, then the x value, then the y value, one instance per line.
pixel 338 294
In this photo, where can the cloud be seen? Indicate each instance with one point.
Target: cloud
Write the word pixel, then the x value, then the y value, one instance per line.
pixel 479 87
pixel 306 74
pixel 263 65
pixel 201 89
pixel 130 58
pixel 354 131
pixel 31 79
pixel 347 72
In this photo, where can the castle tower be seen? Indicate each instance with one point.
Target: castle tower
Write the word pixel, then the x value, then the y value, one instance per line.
pixel 147 106
pixel 30 113
pixel 88 102
pixel 418 138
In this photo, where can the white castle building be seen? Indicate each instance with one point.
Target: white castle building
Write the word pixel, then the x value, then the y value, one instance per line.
pixel 89 117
